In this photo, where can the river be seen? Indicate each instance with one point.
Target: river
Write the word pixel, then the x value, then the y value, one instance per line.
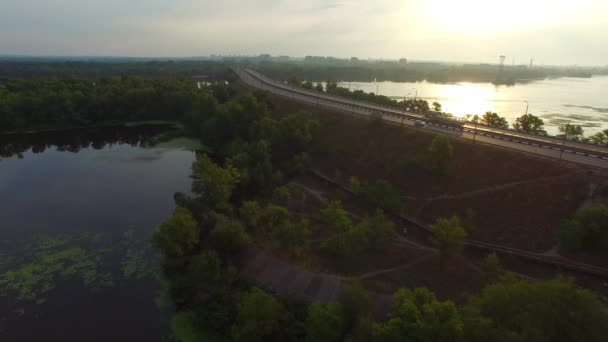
pixel 584 101
pixel 77 212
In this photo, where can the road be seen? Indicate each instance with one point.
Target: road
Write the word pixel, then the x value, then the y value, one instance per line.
pixel 579 153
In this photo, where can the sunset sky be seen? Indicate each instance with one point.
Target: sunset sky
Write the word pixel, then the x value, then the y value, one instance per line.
pixel 551 32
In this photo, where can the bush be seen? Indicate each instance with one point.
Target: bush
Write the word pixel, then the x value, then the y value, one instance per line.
pixel 228 236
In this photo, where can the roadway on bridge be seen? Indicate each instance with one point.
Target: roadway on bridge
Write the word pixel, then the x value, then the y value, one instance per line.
pixel 484 135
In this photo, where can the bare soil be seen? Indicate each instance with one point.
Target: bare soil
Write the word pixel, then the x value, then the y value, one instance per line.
pixel 519 199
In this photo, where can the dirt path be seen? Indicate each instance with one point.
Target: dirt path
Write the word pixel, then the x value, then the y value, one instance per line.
pixel 284 279
pixel 393 269
pixel 492 188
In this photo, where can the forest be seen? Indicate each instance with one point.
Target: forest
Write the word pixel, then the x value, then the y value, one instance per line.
pixel 29 104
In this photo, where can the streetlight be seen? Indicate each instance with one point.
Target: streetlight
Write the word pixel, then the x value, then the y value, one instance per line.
pixel 564 141
pixel 527 105
pixel 415 96
pixel 404 104
pixel 355 87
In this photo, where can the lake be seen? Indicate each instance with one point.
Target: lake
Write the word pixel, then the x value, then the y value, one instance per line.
pixel 77 211
pixel 584 101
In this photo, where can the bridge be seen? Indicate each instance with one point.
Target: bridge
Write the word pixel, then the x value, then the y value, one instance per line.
pixel 590 155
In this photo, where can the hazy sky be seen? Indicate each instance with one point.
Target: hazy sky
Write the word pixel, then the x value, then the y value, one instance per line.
pixel 550 31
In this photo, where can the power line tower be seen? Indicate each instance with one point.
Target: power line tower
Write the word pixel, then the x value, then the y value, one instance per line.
pixel 501 69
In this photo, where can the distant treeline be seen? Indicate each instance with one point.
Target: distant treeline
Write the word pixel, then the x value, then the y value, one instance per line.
pixel 43 103
pixel 412 72
pixel 204 70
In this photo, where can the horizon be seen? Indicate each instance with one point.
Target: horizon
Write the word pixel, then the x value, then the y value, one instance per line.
pixel 550 33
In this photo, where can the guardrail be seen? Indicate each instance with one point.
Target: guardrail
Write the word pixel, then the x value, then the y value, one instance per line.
pixel 504 250
pixel 370 107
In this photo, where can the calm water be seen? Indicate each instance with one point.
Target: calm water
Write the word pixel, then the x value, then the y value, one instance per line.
pixel 104 199
pixel 584 101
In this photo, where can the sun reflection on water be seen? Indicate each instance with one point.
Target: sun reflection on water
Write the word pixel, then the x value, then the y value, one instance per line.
pixel 466 98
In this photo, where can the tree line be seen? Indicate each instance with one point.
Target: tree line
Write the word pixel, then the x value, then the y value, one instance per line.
pixel 52 102
pixel 93 70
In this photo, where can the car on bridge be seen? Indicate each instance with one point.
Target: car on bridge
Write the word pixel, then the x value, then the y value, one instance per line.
pixel 419 123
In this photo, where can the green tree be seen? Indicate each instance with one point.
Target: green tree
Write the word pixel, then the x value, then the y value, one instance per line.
pixel 319 87
pixel 356 304
pixel 530 124
pixel 571 132
pixel 292 236
pixel 281 194
pixel 441 153
pixel 449 236
pixel 258 316
pixel 380 230
pixel 337 218
pixel 587 230
pixel 355 184
pixel 212 183
pixel 178 235
pixel 251 214
pixel 274 215
pixel 520 310
pixel 347 244
pixel 599 138
pixel 468 221
pixel 494 120
pixel 491 267
pixel 436 106
pixel 418 316
pixel 228 235
pixel 325 323
pixel 384 195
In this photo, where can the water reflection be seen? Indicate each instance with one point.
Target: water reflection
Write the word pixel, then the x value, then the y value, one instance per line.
pixel 77 139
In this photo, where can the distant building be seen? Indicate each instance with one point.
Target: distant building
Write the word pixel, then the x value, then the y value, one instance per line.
pixel 264 56
pixel 403 61
pixel 354 60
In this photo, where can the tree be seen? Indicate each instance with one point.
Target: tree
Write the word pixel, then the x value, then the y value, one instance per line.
pixel 281 194
pixel 418 316
pixel 494 120
pixel 385 196
pixel 292 236
pixel 449 236
pixel 441 153
pixel 380 230
pixel 204 269
pixel 212 183
pixel 258 316
pixel 355 303
pixel 599 138
pixel 228 235
pixel 349 243
pixel 468 222
pixel 251 214
pixel 355 184
pixel 274 215
pixel 177 235
pixel 337 218
pixel 587 230
pixel 319 87
pixel 491 267
pixel 437 106
pixel 571 132
pixel 325 323
pixel 530 124
pixel 520 310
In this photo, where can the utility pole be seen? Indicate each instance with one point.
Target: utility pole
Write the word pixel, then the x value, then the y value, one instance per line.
pixel 564 141
pixel 475 132
pixel 527 105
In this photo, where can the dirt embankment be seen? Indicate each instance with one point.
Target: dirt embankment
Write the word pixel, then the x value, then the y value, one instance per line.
pixel 518 199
